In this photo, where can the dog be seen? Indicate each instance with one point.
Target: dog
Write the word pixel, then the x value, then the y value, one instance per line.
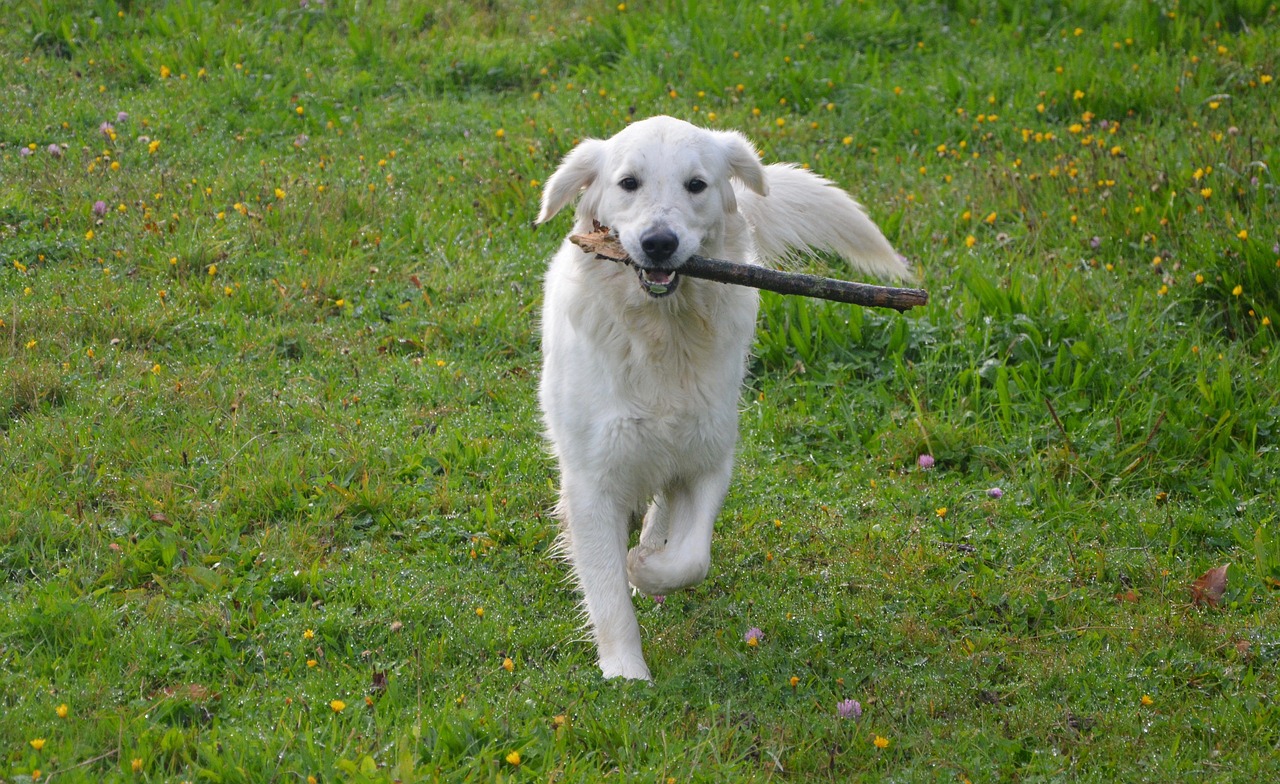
pixel 642 366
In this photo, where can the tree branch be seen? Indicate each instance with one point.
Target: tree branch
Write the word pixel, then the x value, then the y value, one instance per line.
pixel 606 246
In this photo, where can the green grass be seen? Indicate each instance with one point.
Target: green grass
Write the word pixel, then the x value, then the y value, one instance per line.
pixel 268 436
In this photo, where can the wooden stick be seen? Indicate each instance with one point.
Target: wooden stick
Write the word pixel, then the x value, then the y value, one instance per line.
pixel 805 285
pixel 605 246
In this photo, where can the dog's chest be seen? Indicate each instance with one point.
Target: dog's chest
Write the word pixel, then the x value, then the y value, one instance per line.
pixel 676 362
pixel 664 372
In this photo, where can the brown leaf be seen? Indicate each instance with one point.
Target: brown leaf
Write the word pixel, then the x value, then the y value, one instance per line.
pixel 379 681
pixel 1129 596
pixel 1211 586
pixel 602 242
pixel 190 691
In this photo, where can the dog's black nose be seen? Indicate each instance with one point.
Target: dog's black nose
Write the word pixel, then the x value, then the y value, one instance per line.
pixel 659 245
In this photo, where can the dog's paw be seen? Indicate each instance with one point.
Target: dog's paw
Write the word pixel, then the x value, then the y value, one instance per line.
pixel 640 571
pixel 657 572
pixel 629 667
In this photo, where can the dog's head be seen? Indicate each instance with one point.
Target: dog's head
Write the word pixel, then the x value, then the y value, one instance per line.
pixel 664 186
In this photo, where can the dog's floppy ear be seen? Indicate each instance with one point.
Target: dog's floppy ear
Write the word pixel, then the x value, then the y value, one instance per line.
pixel 578 170
pixel 744 164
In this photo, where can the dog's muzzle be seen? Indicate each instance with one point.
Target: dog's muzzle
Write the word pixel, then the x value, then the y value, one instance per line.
pixel 656 278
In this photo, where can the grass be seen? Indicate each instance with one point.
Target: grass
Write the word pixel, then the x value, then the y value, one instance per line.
pixel 275 503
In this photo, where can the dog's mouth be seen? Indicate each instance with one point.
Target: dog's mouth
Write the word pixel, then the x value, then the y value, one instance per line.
pixel 658 282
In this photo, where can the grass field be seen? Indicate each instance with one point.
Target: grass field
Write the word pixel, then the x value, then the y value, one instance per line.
pixel 274 503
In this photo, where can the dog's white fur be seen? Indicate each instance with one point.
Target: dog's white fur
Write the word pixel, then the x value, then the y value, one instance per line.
pixel 640 393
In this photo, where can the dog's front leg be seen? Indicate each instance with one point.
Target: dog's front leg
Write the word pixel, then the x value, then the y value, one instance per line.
pixel 596 530
pixel 674 550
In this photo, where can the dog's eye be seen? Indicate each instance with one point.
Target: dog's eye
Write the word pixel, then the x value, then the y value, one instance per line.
pixel 695 185
pixel 629 184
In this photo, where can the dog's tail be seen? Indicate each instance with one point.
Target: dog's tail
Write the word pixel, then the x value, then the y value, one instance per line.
pixel 803 213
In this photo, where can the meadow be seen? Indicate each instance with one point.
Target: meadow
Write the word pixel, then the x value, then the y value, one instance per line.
pixel 274 504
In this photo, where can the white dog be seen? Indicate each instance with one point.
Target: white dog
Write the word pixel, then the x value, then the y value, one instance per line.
pixel 642 366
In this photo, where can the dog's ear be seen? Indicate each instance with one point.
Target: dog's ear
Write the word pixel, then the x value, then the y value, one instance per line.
pixel 744 164
pixel 578 170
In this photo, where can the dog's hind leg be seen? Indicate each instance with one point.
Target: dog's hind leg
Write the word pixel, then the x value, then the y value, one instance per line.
pixel 674 550
pixel 596 544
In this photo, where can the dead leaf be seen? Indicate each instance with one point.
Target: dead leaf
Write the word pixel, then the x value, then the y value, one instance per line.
pixel 602 242
pixel 190 691
pixel 1129 596
pixel 1211 587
